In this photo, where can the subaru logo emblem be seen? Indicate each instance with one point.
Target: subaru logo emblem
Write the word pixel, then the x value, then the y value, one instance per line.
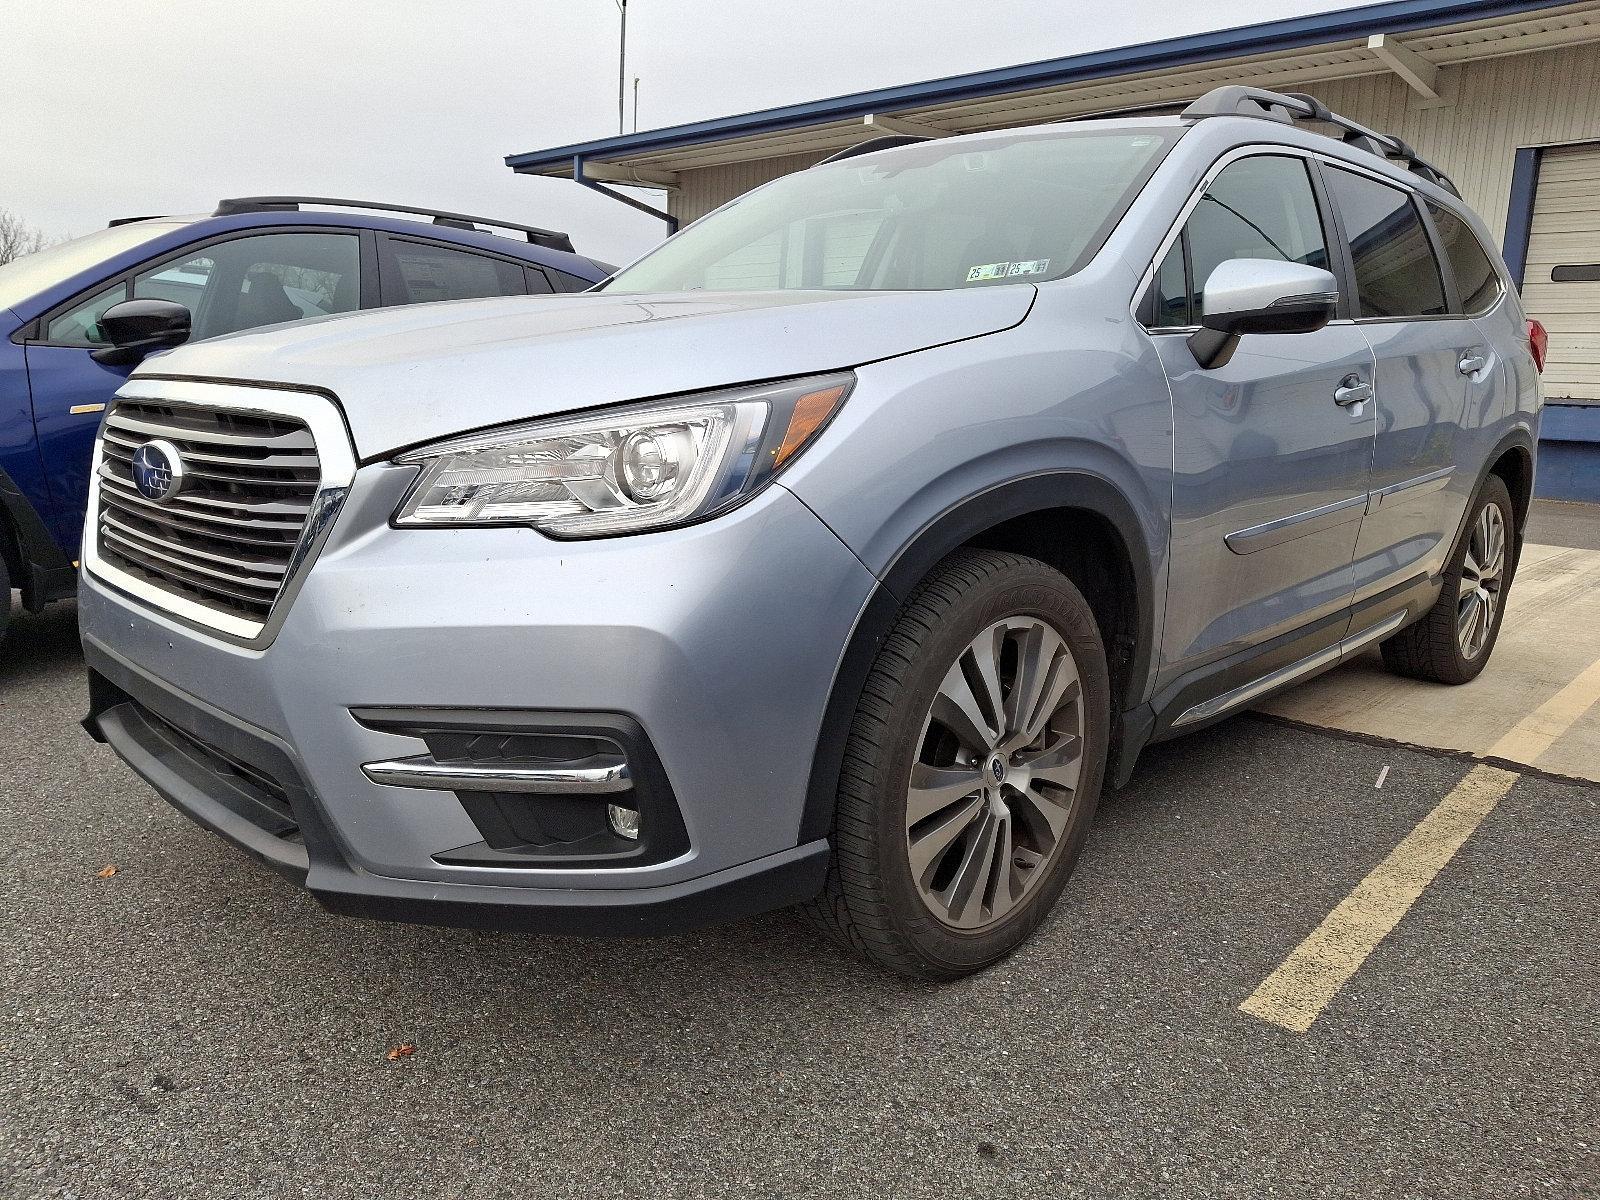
pixel 998 770
pixel 157 471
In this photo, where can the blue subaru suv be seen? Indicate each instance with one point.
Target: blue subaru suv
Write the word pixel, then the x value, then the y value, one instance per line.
pixel 75 319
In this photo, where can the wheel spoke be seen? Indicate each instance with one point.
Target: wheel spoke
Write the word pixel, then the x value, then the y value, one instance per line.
pixel 1037 647
pixel 1003 888
pixel 967 886
pixel 1058 685
pixel 934 789
pixel 957 709
pixel 1067 751
pixel 926 849
pixel 1467 621
pixel 1052 811
pixel 984 657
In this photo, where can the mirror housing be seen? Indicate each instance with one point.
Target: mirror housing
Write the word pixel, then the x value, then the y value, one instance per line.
pixel 1260 295
pixel 135 328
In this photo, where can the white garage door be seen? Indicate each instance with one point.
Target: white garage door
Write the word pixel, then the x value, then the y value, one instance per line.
pixel 1561 285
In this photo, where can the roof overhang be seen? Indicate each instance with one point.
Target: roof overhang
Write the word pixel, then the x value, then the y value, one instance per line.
pixel 1278 54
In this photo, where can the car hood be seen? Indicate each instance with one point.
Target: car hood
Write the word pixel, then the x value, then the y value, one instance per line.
pixel 410 375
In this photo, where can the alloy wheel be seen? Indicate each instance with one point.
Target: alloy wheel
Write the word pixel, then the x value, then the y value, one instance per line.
pixel 995 778
pixel 1482 579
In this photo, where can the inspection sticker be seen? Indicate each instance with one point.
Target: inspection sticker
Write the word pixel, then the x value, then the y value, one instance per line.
pixel 988 271
pixel 1002 270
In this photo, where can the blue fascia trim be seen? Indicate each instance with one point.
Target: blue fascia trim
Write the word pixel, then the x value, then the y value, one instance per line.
pixel 1398 16
pixel 595 185
pixel 1519 215
pixel 1570 423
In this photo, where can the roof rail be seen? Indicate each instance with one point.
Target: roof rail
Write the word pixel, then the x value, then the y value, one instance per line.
pixel 1237 100
pixel 548 238
pixel 887 142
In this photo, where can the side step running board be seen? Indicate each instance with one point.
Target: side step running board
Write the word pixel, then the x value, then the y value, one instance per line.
pixel 1288 674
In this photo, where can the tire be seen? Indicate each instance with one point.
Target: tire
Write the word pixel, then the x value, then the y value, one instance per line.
pixel 5 598
pixel 1440 646
pixel 1021 826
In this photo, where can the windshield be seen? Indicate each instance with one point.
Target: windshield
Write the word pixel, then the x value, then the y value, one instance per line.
pixel 29 275
pixel 933 215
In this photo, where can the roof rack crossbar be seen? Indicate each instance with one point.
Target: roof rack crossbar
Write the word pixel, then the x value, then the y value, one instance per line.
pixel 1238 100
pixel 550 239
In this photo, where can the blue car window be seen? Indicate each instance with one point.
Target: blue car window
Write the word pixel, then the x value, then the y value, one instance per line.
pixel 263 279
pixel 79 325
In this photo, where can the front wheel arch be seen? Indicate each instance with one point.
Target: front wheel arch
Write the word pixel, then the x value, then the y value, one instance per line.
pixel 981 520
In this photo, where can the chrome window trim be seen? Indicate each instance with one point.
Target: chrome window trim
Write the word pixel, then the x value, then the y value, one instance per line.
pixel 1255 150
pixel 335 453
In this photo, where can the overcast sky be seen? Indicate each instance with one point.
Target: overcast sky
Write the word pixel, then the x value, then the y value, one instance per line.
pixel 164 106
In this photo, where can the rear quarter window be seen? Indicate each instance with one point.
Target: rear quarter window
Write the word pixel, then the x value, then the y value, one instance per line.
pixel 1476 279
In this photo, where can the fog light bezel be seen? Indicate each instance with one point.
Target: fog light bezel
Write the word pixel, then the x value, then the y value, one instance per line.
pixel 662 833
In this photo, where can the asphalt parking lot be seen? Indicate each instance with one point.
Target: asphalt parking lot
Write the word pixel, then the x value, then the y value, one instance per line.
pixel 193 1026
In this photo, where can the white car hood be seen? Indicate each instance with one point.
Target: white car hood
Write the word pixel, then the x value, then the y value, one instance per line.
pixel 409 375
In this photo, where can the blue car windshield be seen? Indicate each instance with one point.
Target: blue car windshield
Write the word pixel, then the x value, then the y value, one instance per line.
pixel 31 274
pixel 1021 208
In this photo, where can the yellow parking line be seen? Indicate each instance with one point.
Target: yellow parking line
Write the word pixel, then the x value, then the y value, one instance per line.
pixel 1538 731
pixel 1295 994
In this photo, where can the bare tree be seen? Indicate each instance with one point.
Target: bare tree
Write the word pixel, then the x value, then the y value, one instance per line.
pixel 17 237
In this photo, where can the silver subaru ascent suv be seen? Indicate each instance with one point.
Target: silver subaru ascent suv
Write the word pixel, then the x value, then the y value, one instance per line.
pixel 836 552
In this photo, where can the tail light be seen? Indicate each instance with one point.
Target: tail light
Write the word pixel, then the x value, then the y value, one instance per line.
pixel 1538 342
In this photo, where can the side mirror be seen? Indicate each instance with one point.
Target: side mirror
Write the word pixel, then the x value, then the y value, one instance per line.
pixel 1260 295
pixel 134 328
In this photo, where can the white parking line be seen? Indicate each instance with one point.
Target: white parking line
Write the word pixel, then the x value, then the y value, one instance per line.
pixel 1296 993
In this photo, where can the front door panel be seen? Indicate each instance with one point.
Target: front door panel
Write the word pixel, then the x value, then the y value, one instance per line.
pixel 1269 488
pixel 70 390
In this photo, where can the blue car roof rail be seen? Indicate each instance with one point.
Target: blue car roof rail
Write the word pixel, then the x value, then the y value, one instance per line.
pixel 1238 100
pixel 550 239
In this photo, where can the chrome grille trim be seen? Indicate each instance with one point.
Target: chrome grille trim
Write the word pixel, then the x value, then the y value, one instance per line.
pixel 269 469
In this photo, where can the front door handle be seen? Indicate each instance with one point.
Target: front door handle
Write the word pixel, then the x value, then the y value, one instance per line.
pixel 1352 389
pixel 1472 363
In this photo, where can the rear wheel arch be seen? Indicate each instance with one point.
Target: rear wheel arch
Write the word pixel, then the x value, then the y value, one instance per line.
pixel 1513 462
pixel 1036 516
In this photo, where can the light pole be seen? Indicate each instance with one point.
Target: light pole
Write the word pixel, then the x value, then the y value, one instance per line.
pixel 622 70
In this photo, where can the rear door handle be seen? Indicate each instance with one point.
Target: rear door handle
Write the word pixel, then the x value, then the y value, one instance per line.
pixel 1472 363
pixel 1352 390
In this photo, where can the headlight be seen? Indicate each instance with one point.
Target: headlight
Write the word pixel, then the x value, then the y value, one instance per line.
pixel 625 469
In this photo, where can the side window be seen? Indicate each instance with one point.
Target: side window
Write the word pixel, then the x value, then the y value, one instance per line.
pixel 1476 278
pixel 80 325
pixel 421 272
pixel 262 279
pixel 183 283
pixel 1259 207
pixel 1169 288
pixel 567 283
pixel 1396 273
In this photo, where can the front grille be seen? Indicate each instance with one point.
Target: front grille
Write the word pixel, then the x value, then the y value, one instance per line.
pixel 227 540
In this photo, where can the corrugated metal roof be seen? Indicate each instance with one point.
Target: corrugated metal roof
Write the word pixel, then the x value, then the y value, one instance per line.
pixel 1279 54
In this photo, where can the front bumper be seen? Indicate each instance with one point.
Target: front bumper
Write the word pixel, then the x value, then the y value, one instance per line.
pixel 719 643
